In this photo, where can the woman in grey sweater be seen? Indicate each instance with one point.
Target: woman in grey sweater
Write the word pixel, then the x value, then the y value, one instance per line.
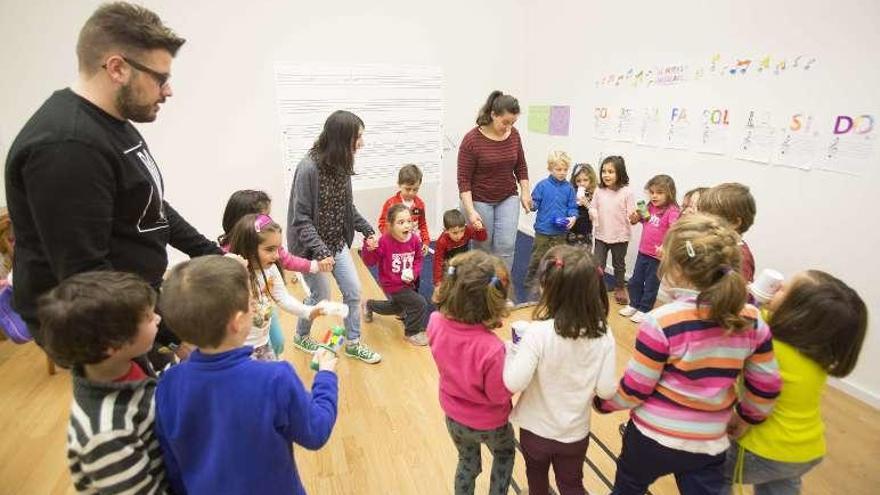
pixel 321 221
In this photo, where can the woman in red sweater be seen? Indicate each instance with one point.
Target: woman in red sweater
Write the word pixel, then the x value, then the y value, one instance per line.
pixel 491 163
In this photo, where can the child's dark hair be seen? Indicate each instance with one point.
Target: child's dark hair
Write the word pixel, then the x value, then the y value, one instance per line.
pixel 499 104
pixel 474 289
pixel 393 210
pixel 824 319
pixel 665 184
pixel 91 312
pixel 731 201
pixel 245 239
pixel 584 169
pixel 704 250
pixel 409 174
pixel 572 293
pixel 201 296
pixel 619 169
pixel 240 204
pixel 453 218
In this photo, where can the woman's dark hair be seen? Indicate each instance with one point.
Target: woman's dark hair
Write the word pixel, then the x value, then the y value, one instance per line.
pixel 244 240
pixel 334 148
pixel 240 204
pixel 572 293
pixel 619 169
pixel 392 213
pixel 824 319
pixel 499 104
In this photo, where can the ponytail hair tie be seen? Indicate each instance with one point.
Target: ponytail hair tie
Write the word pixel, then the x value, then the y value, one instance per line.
pixel 450 270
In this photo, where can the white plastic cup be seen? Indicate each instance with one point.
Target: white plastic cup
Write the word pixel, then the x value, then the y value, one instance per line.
pixel 766 285
pixel 517 330
pixel 332 308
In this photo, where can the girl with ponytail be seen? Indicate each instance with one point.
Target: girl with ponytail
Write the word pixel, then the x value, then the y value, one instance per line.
pixel 491 164
pixel 689 354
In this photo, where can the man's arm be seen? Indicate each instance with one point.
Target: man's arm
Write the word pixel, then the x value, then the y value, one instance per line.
pixel 184 237
pixel 71 189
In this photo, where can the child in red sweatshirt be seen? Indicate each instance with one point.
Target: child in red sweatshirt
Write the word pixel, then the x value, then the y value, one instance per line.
pixel 454 240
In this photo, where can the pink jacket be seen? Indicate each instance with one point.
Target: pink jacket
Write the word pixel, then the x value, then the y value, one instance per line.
pixel 290 262
pixel 470 359
pixel 654 228
pixel 610 211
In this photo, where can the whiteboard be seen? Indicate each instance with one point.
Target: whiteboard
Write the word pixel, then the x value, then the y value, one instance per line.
pixel 401 106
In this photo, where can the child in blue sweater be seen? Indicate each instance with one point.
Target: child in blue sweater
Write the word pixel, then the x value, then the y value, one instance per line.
pixel 225 421
pixel 554 200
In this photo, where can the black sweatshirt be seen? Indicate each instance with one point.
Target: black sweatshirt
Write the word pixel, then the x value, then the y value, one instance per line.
pixel 84 194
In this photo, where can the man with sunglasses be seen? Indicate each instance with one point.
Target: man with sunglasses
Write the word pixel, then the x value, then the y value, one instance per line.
pixel 84 191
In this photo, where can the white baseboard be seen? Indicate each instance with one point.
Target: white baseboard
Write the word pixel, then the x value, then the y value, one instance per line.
pixel 856 392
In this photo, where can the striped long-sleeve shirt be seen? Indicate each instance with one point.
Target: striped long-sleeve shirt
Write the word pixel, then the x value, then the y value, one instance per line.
pixel 490 169
pixel 681 381
pixel 111 445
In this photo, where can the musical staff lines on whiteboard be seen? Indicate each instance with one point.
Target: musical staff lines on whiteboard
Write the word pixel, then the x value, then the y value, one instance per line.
pixel 401 106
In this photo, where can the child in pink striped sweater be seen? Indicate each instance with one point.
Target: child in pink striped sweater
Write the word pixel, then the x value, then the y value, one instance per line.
pixel 680 383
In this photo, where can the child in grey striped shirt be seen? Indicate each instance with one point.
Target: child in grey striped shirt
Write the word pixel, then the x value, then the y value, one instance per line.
pixel 101 324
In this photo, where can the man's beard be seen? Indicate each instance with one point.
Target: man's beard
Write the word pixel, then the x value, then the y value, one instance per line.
pixel 130 109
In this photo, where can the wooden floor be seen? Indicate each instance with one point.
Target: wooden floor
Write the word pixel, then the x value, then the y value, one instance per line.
pixel 390 437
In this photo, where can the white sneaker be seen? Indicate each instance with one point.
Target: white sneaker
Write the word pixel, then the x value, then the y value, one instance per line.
pixel 637 317
pixel 627 311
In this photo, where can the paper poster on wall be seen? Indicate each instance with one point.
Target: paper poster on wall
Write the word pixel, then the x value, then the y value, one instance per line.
pixel 797 142
pixel 715 130
pixel 539 119
pixel 852 144
pixel 401 106
pixel 602 128
pixel 757 139
pixel 560 120
pixel 625 128
pixel 678 129
pixel 651 132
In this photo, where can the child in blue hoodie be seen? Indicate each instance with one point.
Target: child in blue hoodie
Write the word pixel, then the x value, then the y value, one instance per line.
pixel 226 421
pixel 554 200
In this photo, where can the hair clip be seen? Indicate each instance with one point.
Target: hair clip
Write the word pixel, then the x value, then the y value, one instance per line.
pixel 559 262
pixel 496 282
pixel 261 222
pixel 725 269
pixel 450 270
pixel 689 246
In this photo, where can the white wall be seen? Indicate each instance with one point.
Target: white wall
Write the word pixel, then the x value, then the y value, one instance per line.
pixel 219 132
pixel 805 219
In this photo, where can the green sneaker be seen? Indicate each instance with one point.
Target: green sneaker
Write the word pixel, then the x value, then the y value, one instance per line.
pixel 362 352
pixel 305 343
